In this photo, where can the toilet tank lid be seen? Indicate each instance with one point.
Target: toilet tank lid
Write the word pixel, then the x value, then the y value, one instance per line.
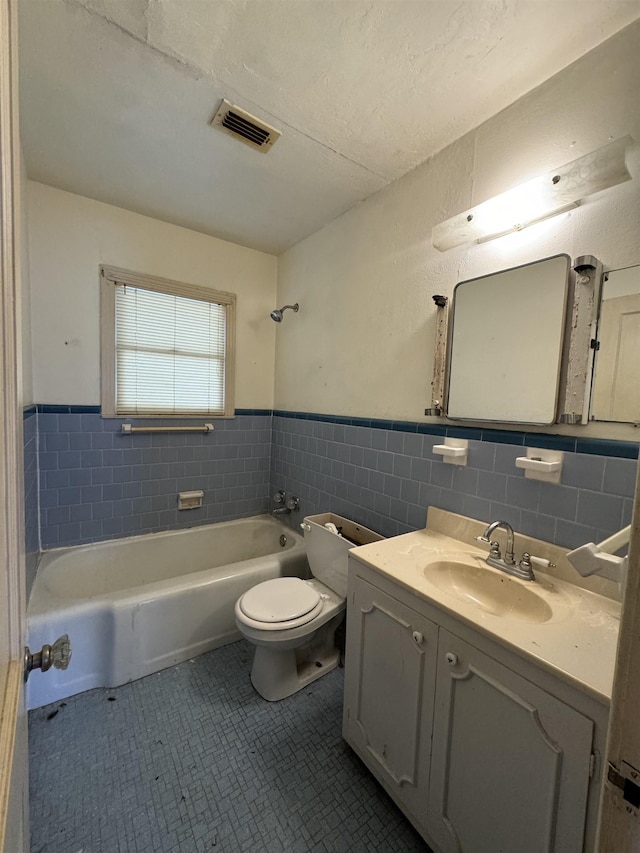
pixel 279 600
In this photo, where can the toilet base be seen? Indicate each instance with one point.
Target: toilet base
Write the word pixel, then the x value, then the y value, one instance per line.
pixel 276 674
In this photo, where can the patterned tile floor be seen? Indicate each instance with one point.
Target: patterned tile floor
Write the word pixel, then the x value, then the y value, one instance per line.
pixel 191 759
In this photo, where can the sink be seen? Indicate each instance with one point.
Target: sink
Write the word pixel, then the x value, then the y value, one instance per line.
pixel 488 589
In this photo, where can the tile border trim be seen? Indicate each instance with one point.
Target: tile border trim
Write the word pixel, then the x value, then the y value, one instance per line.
pixel 570 444
pixel 59 409
pixel 50 409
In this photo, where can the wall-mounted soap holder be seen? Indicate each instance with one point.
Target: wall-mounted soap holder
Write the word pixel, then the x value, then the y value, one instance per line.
pixel 190 500
pixel 454 451
pixel 541 464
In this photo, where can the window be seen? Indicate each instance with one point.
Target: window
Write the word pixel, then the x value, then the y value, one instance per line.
pixel 167 348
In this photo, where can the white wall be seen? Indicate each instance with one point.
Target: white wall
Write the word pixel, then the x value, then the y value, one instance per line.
pixel 70 236
pixel 362 343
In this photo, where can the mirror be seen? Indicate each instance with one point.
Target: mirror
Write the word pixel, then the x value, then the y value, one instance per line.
pixel 506 344
pixel 616 384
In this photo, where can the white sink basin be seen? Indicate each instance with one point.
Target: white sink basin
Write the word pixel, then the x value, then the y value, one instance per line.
pixel 489 589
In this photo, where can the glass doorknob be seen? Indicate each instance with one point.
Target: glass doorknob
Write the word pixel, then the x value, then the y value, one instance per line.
pixel 57 655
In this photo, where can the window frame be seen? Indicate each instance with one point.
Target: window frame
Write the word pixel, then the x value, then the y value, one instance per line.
pixel 110 277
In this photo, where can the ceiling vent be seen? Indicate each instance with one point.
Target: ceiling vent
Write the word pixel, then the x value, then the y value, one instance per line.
pixel 245 127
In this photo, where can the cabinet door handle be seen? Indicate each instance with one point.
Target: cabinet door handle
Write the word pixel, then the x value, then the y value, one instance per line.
pixel 451 658
pixel 418 638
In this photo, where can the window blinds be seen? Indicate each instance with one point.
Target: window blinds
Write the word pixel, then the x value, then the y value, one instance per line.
pixel 170 353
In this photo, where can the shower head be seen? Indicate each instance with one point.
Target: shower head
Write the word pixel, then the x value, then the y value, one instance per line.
pixel 277 314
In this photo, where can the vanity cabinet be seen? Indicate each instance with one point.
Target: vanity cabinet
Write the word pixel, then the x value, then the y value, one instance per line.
pixel 390 691
pixel 480 758
pixel 510 763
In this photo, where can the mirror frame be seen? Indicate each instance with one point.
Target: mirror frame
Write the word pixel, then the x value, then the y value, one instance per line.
pixel 515 337
pixel 576 370
pixel 597 347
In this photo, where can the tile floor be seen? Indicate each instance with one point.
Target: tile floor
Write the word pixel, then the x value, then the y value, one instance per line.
pixel 192 759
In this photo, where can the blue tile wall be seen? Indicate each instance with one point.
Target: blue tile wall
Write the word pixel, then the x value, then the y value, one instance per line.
pixel 386 478
pixel 96 483
pixel 31 521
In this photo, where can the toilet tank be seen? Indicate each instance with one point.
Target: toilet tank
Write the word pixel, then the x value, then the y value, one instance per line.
pixel 328 553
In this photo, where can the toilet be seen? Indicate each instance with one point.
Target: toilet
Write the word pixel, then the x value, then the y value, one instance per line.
pixel 292 622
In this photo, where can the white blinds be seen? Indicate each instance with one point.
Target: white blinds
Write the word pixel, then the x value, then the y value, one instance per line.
pixel 170 353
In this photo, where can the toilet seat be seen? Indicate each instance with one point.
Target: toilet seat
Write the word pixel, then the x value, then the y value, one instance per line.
pixel 279 604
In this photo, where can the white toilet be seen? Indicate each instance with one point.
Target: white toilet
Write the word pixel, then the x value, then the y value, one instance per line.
pixel 292 622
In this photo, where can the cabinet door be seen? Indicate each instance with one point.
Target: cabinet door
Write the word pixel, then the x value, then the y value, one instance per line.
pixel 510 763
pixel 389 691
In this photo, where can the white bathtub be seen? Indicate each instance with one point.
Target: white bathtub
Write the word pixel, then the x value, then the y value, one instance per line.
pixel 137 605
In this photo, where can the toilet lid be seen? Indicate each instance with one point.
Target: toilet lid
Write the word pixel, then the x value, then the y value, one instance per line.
pixel 279 600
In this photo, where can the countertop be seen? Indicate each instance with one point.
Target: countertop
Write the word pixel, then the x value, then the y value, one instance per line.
pixel 578 643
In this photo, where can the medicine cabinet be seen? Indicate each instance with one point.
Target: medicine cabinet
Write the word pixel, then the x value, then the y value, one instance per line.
pixel 515 346
pixel 507 332
pixel 616 385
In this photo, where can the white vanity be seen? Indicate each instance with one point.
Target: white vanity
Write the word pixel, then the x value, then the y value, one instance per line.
pixel 479 701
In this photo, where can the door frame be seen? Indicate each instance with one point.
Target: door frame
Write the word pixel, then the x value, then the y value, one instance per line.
pixel 13 728
pixel 620 826
pixel 620 823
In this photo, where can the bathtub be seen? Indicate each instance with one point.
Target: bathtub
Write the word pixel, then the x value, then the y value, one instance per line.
pixel 137 605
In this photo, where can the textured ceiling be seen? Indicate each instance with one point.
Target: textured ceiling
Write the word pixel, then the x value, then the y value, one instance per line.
pixel 117 95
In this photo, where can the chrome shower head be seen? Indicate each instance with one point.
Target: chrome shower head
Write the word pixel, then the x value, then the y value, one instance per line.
pixel 277 314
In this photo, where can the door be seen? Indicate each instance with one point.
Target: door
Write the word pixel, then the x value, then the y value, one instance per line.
pixel 616 392
pixel 389 691
pixel 510 763
pixel 13 731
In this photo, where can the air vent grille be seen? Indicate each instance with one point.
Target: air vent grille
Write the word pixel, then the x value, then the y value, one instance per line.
pixel 241 124
pixel 234 122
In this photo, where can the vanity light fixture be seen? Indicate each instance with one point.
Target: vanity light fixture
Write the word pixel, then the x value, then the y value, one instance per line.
pixel 537 199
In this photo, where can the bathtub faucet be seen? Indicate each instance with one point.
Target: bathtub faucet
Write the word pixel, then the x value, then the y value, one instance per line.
pixel 284 507
pixel 280 510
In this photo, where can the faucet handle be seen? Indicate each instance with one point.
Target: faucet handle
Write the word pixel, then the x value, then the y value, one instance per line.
pixel 494 546
pixel 279 497
pixel 528 559
pixel 494 551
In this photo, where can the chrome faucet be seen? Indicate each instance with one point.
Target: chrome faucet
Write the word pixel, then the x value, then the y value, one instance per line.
pixel 523 569
pixel 280 510
pixel 507 564
pixel 509 556
pixel 284 506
